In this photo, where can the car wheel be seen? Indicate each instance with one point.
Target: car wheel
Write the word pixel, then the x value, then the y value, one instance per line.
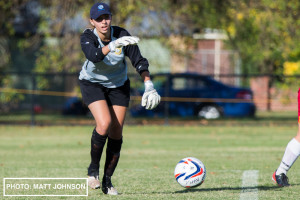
pixel 209 112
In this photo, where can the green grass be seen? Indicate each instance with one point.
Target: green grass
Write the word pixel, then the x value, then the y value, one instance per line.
pixel 148 158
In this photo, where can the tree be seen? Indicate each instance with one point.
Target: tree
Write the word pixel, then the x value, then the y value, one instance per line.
pixel 7 15
pixel 266 33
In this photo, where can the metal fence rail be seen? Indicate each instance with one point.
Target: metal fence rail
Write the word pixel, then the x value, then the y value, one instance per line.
pixel 61 86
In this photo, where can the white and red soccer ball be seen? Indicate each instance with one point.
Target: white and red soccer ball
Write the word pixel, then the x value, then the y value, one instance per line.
pixel 190 172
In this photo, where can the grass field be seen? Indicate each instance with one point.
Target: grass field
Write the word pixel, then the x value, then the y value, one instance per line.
pixel 149 156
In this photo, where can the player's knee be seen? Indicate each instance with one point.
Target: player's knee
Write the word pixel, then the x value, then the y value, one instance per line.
pixel 102 127
pixel 116 132
pixel 298 132
pixel 116 126
pixel 98 140
pixel 298 136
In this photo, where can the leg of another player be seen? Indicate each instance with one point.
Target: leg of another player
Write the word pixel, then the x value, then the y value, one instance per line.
pixel 100 111
pixel 298 133
pixel 114 145
pixel 291 154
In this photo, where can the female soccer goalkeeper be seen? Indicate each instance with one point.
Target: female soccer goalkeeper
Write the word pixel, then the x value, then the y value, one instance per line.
pixel 291 154
pixel 105 88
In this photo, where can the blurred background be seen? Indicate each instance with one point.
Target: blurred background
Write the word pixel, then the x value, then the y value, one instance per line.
pixel 213 62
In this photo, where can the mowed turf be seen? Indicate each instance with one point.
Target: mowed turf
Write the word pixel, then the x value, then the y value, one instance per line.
pixel 149 156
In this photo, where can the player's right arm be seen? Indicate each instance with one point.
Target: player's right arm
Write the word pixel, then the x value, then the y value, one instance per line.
pixel 89 45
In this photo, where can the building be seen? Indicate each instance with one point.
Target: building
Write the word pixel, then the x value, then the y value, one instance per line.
pixel 209 56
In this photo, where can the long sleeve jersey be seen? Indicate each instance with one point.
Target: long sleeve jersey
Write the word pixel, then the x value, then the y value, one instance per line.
pixel 109 70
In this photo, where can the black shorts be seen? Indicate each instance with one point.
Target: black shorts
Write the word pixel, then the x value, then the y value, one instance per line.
pixel 92 92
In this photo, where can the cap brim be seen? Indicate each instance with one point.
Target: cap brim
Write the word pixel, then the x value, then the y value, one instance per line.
pixel 97 16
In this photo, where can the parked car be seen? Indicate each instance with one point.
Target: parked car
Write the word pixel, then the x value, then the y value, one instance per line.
pixel 188 94
pixel 74 106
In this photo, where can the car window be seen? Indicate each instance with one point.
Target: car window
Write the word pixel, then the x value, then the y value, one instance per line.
pixel 160 81
pixel 179 83
pixel 200 83
pixel 182 83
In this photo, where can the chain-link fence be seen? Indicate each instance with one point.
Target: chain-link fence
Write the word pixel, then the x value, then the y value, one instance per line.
pixel 33 95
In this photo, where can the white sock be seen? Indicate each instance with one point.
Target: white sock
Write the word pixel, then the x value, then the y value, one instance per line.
pixel 291 154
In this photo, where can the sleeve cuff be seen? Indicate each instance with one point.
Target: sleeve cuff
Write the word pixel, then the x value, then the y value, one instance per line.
pixel 141 69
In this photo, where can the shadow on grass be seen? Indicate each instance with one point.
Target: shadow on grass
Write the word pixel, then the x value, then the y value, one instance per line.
pixel 191 190
pixel 263 188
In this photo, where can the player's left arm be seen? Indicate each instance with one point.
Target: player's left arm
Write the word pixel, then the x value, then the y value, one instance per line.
pixel 150 97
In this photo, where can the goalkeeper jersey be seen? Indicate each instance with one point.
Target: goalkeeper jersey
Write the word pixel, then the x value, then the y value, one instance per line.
pixel 110 70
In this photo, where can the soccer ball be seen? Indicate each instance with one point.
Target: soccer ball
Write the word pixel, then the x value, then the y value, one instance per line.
pixel 190 172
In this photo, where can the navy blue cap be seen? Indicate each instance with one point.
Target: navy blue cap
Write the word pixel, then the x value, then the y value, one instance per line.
pixel 99 9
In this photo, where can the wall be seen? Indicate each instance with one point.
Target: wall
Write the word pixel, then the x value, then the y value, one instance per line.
pixel 273 98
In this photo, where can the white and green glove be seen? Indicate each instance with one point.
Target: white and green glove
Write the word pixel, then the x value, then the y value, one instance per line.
pixel 122 41
pixel 150 97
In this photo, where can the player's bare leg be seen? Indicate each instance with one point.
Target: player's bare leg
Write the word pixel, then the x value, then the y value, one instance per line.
pixel 298 133
pixel 101 113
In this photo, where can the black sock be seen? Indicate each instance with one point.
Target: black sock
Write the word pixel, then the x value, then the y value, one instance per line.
pixel 97 144
pixel 112 156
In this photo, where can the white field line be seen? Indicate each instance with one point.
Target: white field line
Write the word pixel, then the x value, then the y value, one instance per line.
pixel 249 185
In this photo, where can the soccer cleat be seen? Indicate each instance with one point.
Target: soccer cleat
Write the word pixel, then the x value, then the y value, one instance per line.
pixel 107 187
pixel 94 182
pixel 281 180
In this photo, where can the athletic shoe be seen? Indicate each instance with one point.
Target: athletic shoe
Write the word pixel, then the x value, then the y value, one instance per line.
pixel 107 187
pixel 94 182
pixel 281 180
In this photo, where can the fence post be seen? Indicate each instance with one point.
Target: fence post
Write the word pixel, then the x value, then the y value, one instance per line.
pixel 166 111
pixel 270 81
pixel 33 82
